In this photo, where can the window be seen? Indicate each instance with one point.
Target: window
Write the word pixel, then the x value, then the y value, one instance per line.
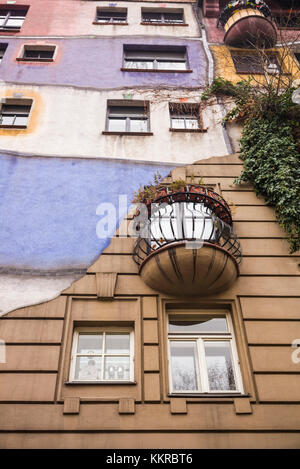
pixel 37 53
pixel 297 55
pixel 124 117
pixel 253 63
pixel 165 58
pixel 165 16
pixel 3 48
pixel 14 113
pixel 102 355
pixel 288 21
pixel 185 116
pixel 202 354
pixel 112 15
pixel 12 19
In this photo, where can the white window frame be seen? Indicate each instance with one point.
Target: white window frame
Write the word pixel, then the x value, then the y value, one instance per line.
pixel 155 57
pixel 103 330
pixel 143 115
pixel 200 339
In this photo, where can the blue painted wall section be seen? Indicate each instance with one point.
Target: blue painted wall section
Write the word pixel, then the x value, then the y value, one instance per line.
pixel 96 63
pixel 48 208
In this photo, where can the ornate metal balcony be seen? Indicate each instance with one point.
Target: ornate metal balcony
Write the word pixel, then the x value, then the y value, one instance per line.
pixel 187 245
pixel 246 24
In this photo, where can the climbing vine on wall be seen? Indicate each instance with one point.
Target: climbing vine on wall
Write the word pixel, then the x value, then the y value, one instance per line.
pixel 270 147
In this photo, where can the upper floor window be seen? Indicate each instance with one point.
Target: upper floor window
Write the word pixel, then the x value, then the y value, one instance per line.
pixel 3 48
pixel 202 354
pixel 14 113
pixel 111 15
pixel 288 21
pixel 297 55
pixel 128 117
pixel 37 53
pixel 164 16
pixel 12 19
pixel 160 58
pixel 102 354
pixel 255 63
pixel 185 116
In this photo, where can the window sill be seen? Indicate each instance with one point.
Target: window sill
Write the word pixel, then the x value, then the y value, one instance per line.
pixel 13 127
pixel 3 30
pixel 210 395
pixel 123 69
pixel 99 383
pixel 111 23
pixel 188 130
pixel 106 132
pixel 146 23
pixel 21 59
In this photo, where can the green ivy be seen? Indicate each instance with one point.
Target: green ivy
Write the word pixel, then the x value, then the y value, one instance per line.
pixel 269 148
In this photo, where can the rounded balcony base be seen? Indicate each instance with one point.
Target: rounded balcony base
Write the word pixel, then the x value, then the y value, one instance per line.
pixel 250 31
pixel 179 270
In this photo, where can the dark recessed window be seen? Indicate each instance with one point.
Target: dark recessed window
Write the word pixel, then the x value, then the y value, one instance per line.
pixel 288 21
pixel 14 113
pixel 123 117
pixel 38 53
pixel 156 16
pixel 3 48
pixel 12 19
pixel 297 55
pixel 185 116
pixel 254 63
pixel 159 58
pixel 112 15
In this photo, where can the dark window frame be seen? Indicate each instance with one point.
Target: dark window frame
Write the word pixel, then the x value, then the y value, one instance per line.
pixel 155 55
pixel 110 18
pixel 14 104
pixel 127 110
pixel 9 9
pixel 243 65
pixel 163 20
pixel 186 112
pixel 40 49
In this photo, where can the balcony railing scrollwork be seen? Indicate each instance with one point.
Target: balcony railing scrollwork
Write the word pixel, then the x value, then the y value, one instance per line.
pixel 187 242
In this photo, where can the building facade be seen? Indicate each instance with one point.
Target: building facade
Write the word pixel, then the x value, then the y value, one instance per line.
pixel 176 337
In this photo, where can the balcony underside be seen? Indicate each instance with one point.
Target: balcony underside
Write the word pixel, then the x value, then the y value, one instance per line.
pixel 251 31
pixel 177 270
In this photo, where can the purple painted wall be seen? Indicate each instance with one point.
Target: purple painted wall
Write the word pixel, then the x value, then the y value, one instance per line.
pixel 97 62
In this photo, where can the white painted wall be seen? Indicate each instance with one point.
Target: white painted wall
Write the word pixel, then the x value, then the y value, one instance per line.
pixel 68 122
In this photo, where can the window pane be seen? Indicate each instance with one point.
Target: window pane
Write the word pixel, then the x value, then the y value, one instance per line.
pixel 203 324
pixel 117 343
pixel 117 368
pixel 90 343
pixel 15 22
pixel 21 120
pixel 139 64
pixel 138 125
pixel 173 17
pixel 191 123
pixel 152 16
pixel 177 123
pixel 219 366
pixel 183 365
pixel 117 125
pixel 7 120
pixel 88 368
pixel 171 65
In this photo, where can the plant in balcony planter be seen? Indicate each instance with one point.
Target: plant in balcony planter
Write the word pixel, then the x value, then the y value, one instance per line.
pixel 233 6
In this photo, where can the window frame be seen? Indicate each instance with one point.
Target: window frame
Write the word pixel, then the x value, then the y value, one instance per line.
pixel 37 47
pixel 236 54
pixel 104 330
pixel 162 13
pixel 185 116
pixel 144 105
pixel 200 339
pixel 155 59
pixel 110 16
pixel 7 17
pixel 3 48
pixel 16 102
